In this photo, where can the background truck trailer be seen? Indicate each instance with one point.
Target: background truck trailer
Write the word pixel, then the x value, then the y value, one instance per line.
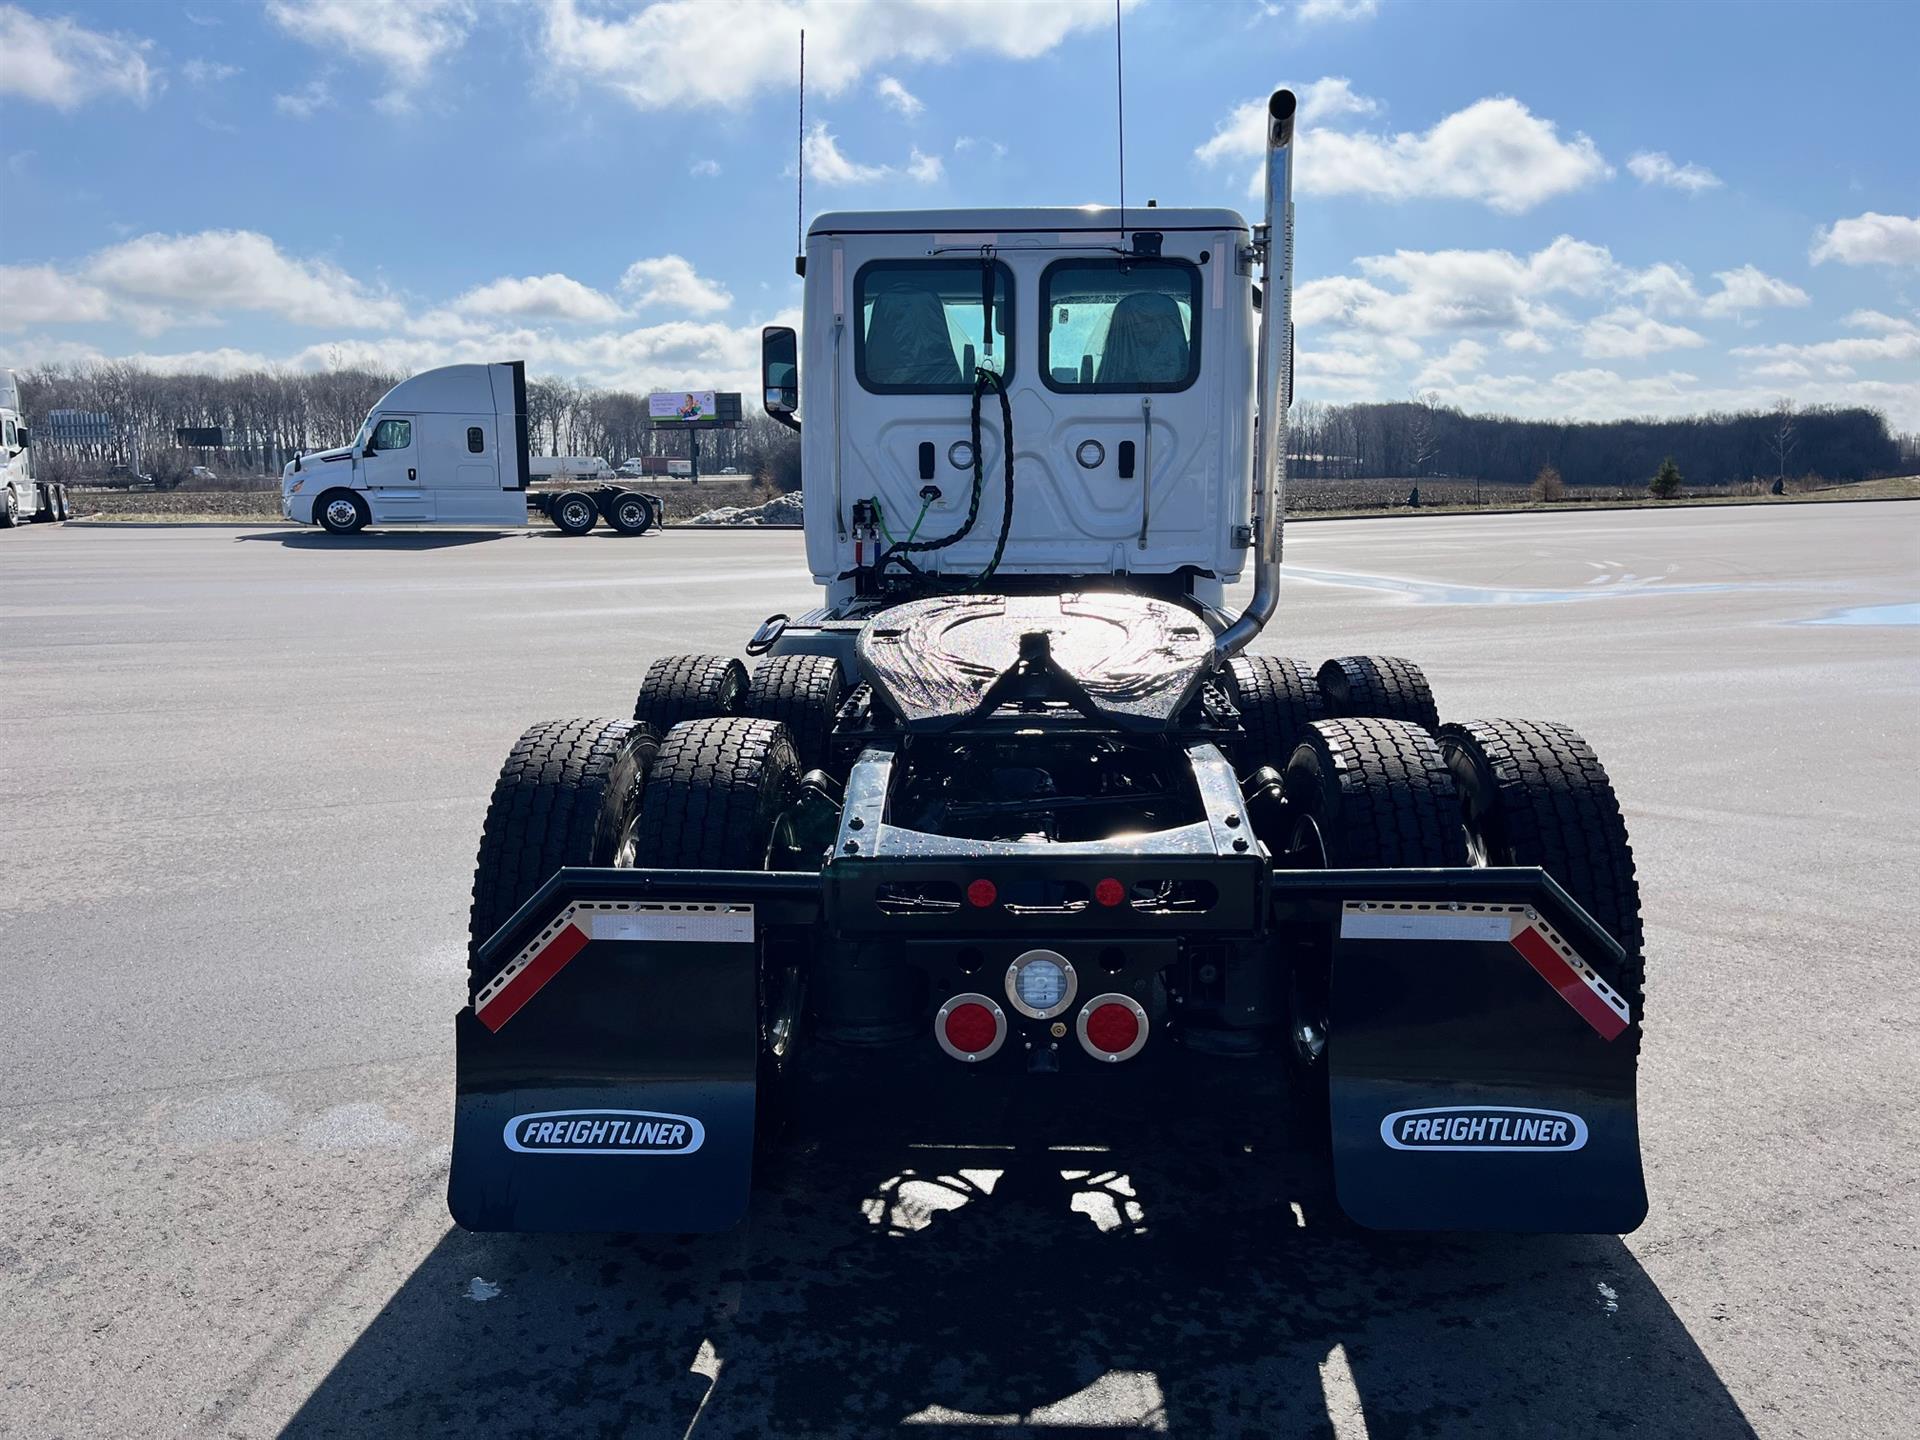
pixel 449 447
pixel 22 497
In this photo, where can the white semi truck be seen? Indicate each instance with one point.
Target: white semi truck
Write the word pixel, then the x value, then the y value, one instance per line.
pixel 450 447
pixel 22 497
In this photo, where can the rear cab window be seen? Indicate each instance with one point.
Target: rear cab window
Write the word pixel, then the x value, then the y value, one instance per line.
pixel 921 325
pixel 1122 325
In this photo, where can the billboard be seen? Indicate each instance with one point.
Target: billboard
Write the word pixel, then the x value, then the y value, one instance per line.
pixel 680 407
pixel 79 427
pixel 202 437
pixel 698 408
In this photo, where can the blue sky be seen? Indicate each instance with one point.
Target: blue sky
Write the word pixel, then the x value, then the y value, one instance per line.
pixel 1548 209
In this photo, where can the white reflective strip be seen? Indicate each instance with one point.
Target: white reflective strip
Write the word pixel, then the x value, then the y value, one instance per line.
pixel 1424 925
pixel 728 925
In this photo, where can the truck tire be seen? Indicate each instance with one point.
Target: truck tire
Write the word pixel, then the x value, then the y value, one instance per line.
pixel 61 509
pixel 717 795
pixel 690 687
pixel 9 508
pixel 48 510
pixel 1277 698
pixel 1382 686
pixel 1534 793
pixel 341 512
pixel 802 692
pixel 630 513
pixel 1379 792
pixel 569 794
pixel 573 513
pixel 1366 793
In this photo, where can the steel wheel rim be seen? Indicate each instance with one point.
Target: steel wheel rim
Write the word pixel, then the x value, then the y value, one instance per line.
pixel 342 512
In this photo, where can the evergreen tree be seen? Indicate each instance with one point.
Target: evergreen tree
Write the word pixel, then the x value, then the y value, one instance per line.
pixel 1666 481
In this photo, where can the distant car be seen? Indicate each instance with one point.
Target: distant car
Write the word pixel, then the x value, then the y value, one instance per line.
pixel 201 472
pixel 633 467
pixel 730 470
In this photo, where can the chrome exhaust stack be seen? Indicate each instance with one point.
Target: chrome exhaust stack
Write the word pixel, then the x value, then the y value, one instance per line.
pixel 1275 383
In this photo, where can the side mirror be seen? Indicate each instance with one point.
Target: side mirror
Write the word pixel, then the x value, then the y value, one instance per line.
pixel 24 436
pixel 369 452
pixel 780 373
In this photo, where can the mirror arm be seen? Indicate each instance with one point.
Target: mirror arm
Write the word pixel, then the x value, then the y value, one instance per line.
pixel 785 417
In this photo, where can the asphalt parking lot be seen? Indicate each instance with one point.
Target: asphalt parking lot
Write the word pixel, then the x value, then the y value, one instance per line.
pixel 246 770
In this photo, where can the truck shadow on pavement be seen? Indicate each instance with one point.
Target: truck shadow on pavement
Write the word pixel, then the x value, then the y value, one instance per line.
pixel 305 539
pixel 1203 1288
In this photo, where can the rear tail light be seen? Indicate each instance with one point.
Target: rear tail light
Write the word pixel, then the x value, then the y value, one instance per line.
pixel 970 1027
pixel 1112 1027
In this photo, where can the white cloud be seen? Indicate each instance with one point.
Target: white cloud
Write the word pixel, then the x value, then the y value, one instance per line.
pixel 1337 11
pixel 728 53
pixel 239 270
pixel 924 168
pixel 1656 167
pixel 1838 357
pixel 207 72
pixel 670 280
pixel 1495 151
pixel 406 38
pixel 59 62
pixel 1463 358
pixel 830 165
pixel 42 295
pixel 1869 239
pixel 1627 334
pixel 963 143
pixel 306 102
pixel 541 297
pixel 1663 289
pixel 1748 288
pixel 1881 321
pixel 1441 290
pixel 704 169
pixel 898 96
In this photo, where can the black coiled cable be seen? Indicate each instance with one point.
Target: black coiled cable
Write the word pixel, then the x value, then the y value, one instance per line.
pixel 898 551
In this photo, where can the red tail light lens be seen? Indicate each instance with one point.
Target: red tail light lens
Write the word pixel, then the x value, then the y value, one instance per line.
pixel 982 893
pixel 1109 892
pixel 1112 1027
pixel 970 1027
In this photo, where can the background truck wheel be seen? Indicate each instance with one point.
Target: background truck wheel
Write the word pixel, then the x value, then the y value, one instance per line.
pixel 1365 792
pixel 630 514
pixel 61 512
pixel 569 794
pixel 690 687
pixel 1278 698
pixel 1534 793
pixel 1382 686
pixel 802 692
pixel 341 512
pixel 573 513
pixel 9 509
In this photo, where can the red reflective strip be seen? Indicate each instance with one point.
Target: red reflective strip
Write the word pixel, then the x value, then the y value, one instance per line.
pixel 527 984
pixel 1539 953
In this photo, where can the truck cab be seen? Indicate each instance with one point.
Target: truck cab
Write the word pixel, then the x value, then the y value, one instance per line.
pixel 1126 361
pixel 446 446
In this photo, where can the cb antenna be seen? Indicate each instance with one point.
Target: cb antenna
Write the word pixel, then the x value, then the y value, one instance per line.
pixel 1120 100
pixel 800 165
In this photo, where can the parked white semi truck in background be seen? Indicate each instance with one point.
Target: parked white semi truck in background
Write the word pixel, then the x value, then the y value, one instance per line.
pixel 449 447
pixel 22 497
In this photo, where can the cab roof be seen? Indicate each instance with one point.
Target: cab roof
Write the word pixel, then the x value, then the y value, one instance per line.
pixel 1018 220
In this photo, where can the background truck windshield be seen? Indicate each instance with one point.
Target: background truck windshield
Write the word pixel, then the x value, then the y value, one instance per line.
pixel 920 325
pixel 1120 325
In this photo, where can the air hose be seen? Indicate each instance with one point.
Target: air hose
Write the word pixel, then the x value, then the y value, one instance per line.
pixel 900 550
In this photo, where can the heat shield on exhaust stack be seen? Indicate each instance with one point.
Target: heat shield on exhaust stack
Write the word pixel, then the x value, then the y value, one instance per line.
pixel 1481 1071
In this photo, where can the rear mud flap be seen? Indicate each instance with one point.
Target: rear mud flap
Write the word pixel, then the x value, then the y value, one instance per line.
pixel 1481 1072
pixel 606 1077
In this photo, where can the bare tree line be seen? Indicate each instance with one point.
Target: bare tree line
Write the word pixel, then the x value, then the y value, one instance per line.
pixel 269 416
